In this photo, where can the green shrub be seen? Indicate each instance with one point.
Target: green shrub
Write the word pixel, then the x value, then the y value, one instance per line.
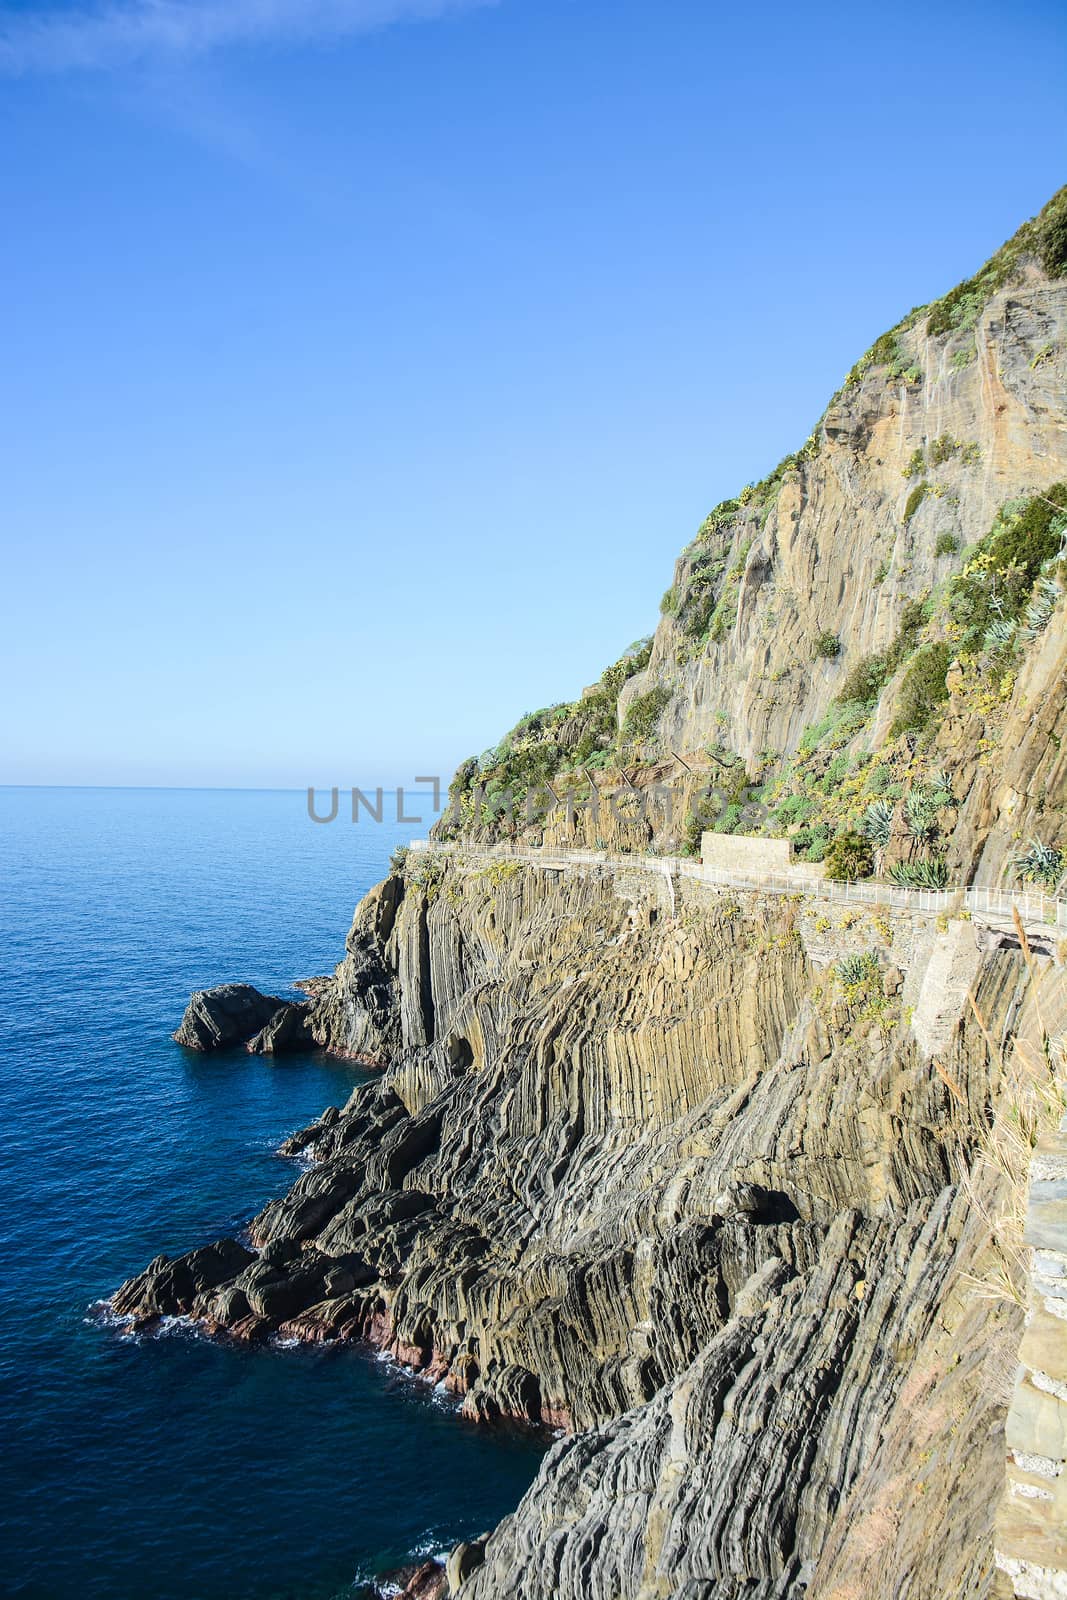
pixel 922 690
pixel 827 644
pixel 849 856
pixel 915 500
pixel 942 449
pixel 794 808
pixel 835 772
pixel 1052 237
pixel 543 743
pixel 1035 534
pixel 840 724
pixel 915 464
pixel 1044 236
pixel 885 350
pixel 947 544
pixel 959 308
pixel 719 611
pixel 669 604
pixel 997 581
pixel 694 826
pixel 864 681
pixel 730 819
pixel 633 659
pixel 644 712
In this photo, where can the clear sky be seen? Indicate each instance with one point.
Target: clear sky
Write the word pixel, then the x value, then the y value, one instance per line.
pixel 366 363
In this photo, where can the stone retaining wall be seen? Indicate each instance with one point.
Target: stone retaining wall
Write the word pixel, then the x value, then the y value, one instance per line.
pixel 1032 1523
pixel 731 852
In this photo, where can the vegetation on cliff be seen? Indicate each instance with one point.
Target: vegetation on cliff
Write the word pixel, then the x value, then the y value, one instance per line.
pixel 728 1182
pixel 966 600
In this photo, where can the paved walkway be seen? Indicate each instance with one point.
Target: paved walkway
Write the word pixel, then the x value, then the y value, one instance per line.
pixel 992 907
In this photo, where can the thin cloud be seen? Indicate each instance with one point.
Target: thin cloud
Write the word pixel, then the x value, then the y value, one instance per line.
pixel 124 31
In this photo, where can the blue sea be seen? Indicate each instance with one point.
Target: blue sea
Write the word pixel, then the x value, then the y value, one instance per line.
pixel 168 1466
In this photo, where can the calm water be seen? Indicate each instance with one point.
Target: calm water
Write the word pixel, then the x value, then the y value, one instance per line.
pixel 171 1467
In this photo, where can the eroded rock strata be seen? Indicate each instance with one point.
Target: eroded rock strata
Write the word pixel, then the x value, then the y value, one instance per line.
pixel 727 1186
pixel 235 1013
pixel 656 1179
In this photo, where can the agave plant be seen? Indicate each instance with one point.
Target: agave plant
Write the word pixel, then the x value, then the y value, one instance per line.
pixel 929 874
pixel 999 634
pixel 939 787
pixel 920 814
pixel 1041 607
pixel 877 823
pixel 932 873
pixel 857 968
pixel 1041 863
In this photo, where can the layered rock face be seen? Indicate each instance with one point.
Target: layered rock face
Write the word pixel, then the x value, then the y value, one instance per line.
pixel 226 1015
pixel 852 552
pixel 642 1167
pixel 975 418
pixel 729 1187
pixel 236 1013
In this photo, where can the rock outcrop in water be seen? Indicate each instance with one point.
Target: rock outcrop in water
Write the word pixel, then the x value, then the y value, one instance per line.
pixel 728 1186
pixel 227 1015
pixel 236 1013
pixel 288 1028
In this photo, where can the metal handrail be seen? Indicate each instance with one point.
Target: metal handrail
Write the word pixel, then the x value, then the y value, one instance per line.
pixel 983 902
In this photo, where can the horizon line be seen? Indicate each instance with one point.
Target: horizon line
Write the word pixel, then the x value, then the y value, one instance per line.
pixel 218 788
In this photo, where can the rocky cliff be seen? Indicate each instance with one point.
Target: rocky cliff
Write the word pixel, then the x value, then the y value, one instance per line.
pixel 861 607
pixel 726 1186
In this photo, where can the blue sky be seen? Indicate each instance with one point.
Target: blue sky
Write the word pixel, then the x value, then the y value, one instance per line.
pixel 367 363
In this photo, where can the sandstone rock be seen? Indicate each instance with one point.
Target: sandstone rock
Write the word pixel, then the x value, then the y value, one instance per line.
pixel 170 1288
pixel 634 1169
pixel 465 1559
pixel 288 1028
pixel 425 1582
pixel 512 1392
pixel 227 1015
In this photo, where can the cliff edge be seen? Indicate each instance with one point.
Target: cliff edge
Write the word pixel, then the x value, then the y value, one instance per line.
pixel 730 1187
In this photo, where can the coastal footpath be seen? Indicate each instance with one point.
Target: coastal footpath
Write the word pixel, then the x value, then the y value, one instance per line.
pixel 756 1197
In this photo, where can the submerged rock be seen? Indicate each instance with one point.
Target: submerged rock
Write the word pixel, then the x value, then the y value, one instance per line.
pixel 226 1015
